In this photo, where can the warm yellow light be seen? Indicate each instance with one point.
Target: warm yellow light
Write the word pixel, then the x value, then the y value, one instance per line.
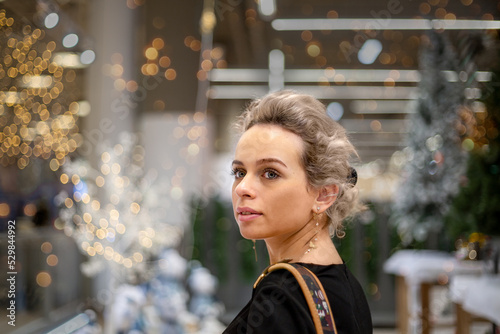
pixel 108 253
pixel 207 65
pixel 101 234
pixel 30 209
pixel 120 84
pixel 135 208
pixel 43 279
pixel 105 169
pixel 87 217
pixel 313 49
pixel 146 242
pixel 132 86
pixel 46 247
pixel 75 179
pixel 99 181
pixel 68 202
pixel 103 223
pixel 59 224
pixel 105 157
pixel 195 45
pixel 199 117
pixel 114 214
pixel 193 149
pixel 116 70
pixel 4 209
pixel 183 119
pixel 115 168
pixel 91 251
pixel 52 260
pixel 127 263
pixel 151 53
pixel 152 69
pixel 170 74
pixel 120 228
pixel 138 257
pixel 117 258
pixel 164 61
pixel 158 43
pixel 98 247
pixel 96 205
pixel 90 227
pixel 85 198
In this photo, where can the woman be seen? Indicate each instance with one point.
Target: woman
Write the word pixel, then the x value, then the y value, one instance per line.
pixel 293 186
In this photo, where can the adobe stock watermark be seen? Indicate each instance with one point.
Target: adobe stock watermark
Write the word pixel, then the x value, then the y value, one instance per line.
pixel 11 272
pixel 265 308
pixel 380 21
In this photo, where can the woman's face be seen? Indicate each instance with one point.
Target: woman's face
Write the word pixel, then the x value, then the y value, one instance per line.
pixel 271 196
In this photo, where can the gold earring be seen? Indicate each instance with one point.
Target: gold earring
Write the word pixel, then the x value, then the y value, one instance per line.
pixel 255 250
pixel 314 238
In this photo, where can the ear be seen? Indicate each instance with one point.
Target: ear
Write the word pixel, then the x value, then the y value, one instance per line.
pixel 327 195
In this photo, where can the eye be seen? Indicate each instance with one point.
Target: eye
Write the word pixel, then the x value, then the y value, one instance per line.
pixel 271 174
pixel 238 173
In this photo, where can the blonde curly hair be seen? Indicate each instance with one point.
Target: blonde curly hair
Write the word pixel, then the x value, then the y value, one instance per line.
pixel 327 149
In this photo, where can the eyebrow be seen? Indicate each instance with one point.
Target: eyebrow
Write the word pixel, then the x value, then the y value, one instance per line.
pixel 262 161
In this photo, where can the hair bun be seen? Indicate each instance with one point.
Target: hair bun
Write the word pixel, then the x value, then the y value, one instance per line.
pixel 353 176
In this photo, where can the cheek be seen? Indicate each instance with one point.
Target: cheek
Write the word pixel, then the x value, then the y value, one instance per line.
pixel 292 202
pixel 234 197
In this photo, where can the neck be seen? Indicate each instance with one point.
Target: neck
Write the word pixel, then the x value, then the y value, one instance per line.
pixel 311 245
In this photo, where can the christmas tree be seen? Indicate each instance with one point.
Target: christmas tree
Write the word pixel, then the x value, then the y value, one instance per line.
pixel 435 160
pixel 477 206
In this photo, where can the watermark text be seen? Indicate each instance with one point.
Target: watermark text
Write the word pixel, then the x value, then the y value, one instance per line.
pixel 11 272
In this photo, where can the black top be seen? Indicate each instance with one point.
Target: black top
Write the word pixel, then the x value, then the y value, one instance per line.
pixel 279 306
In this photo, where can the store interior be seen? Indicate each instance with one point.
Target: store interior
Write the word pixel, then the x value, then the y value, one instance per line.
pixel 116 142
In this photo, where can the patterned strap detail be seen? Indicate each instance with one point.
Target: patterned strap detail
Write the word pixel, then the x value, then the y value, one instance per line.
pixel 319 297
pixel 313 292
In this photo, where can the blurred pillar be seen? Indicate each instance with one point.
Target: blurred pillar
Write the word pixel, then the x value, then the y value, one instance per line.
pixel 113 28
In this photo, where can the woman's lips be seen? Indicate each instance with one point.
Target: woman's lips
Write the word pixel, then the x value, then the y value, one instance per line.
pixel 247 214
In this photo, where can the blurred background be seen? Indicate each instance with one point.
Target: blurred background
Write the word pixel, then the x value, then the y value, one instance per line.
pixel 116 143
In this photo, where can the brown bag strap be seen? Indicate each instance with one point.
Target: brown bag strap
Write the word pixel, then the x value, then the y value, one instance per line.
pixel 313 292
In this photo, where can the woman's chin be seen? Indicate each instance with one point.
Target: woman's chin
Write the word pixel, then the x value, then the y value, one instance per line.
pixel 250 235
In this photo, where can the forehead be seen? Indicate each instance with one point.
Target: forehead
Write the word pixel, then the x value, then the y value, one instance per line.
pixel 268 139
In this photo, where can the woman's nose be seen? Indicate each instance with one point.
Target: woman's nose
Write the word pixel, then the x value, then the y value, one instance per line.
pixel 245 188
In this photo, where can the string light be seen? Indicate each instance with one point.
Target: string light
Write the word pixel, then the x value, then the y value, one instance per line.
pixel 34 123
pixel 156 62
pixel 126 228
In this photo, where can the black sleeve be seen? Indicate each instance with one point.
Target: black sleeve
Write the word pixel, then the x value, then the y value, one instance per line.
pixel 278 306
